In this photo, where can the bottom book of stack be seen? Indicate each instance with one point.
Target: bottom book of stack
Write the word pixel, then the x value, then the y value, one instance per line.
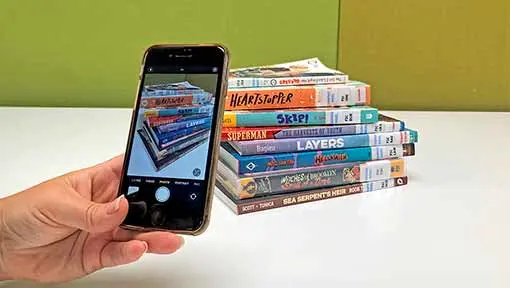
pixel 260 191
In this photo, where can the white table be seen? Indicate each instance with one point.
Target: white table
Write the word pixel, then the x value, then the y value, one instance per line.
pixel 450 227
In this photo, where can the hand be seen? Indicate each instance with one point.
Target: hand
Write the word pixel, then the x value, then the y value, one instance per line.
pixel 67 227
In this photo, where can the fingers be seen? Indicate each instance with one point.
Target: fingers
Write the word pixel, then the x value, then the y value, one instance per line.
pixel 161 242
pixel 114 165
pixel 120 253
pixel 105 179
pixel 93 217
pixel 158 242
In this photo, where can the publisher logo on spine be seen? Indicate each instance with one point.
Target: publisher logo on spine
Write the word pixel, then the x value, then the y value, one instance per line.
pixel 250 166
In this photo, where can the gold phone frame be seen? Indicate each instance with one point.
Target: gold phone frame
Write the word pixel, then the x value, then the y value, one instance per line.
pixel 211 182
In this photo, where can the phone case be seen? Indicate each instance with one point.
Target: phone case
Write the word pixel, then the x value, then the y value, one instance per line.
pixel 216 140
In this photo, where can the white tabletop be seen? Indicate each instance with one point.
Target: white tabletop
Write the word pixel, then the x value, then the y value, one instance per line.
pixel 449 227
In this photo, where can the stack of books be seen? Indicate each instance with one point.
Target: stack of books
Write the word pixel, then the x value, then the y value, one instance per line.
pixel 299 132
pixel 176 119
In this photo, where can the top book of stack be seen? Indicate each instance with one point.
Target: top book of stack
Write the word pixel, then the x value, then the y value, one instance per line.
pixel 304 72
pixel 294 85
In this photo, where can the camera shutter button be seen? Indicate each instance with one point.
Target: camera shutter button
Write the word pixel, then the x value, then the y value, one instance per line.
pixel 162 194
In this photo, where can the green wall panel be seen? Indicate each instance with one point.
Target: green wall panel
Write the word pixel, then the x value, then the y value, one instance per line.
pixel 429 55
pixel 87 53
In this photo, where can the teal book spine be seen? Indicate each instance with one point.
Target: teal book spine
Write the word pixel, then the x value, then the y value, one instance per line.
pixel 301 117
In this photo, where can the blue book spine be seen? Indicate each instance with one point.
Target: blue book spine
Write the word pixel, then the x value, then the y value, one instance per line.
pixel 257 147
pixel 282 161
pixel 167 128
pixel 162 139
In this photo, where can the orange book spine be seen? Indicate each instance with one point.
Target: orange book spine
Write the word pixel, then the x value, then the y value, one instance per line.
pixel 170 101
pixel 289 97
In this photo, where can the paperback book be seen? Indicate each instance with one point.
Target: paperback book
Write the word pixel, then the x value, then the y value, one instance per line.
pixel 299 179
pixel 303 72
pixel 305 96
pixel 251 205
pixel 274 162
pixel 383 124
pixel 301 117
pixel 274 146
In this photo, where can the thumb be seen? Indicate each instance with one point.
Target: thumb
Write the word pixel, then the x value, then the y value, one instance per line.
pixel 95 217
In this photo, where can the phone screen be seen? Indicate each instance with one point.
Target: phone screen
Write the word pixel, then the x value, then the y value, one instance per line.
pixel 169 153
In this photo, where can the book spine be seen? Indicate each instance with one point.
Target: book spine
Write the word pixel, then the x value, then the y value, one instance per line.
pixel 180 144
pixel 274 132
pixel 158 162
pixel 267 203
pixel 167 139
pixel 248 133
pixel 300 117
pixel 247 82
pixel 305 179
pixel 166 128
pixel 170 101
pixel 276 162
pixel 161 120
pixel 154 92
pixel 174 100
pixel 179 111
pixel 298 97
pixel 257 147
pixel 153 121
pixel 186 142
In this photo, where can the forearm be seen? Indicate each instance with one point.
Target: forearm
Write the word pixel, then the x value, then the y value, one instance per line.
pixel 3 274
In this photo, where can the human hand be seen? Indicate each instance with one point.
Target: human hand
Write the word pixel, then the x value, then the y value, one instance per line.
pixel 68 227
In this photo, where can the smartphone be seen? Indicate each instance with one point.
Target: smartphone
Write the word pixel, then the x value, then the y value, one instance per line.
pixel 171 154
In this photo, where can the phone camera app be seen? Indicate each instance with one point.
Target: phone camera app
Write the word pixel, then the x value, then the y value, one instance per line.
pixel 173 126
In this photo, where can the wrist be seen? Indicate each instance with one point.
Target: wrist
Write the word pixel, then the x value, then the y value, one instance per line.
pixel 3 273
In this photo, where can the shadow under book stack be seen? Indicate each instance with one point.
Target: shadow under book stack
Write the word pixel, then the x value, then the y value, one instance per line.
pixel 299 132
